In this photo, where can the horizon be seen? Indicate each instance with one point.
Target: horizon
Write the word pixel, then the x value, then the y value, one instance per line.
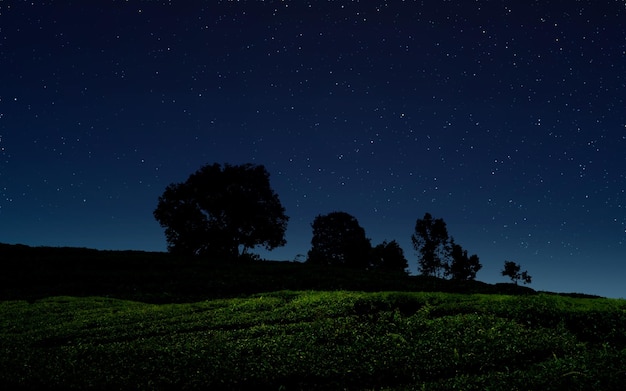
pixel 411 271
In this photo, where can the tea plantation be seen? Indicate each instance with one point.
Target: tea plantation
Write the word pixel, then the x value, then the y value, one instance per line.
pixel 79 319
pixel 316 340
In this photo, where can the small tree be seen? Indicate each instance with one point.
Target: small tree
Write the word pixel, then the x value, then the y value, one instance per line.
pixel 389 256
pixel 338 239
pixel 218 210
pixel 512 270
pixel 431 241
pixel 462 267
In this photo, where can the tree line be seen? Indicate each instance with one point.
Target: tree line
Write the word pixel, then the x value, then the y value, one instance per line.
pixel 223 212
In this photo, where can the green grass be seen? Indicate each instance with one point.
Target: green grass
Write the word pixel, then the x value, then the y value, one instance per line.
pixel 316 340
pixel 86 320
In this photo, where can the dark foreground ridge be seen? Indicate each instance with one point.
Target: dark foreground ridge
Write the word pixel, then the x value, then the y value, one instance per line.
pixel 32 273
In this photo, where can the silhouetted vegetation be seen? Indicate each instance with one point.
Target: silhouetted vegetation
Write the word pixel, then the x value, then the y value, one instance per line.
pixel 462 266
pixel 430 241
pixel 31 273
pixel 512 270
pixel 218 210
pixel 439 255
pixel 339 240
pixel 389 256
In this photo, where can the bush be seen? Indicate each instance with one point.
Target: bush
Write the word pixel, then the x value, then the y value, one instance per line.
pixel 316 340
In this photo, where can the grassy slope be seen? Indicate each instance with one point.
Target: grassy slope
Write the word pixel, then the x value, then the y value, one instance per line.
pixel 317 340
pixel 229 327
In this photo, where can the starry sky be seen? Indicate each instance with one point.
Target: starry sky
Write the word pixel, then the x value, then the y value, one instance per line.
pixel 505 118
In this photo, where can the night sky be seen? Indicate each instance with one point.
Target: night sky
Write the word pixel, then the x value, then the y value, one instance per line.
pixel 505 118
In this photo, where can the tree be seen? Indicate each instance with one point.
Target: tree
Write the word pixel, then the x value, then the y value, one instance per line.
pixel 512 270
pixel 430 240
pixel 462 267
pixel 219 210
pixel 389 256
pixel 338 239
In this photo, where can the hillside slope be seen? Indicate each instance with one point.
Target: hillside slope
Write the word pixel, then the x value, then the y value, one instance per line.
pixel 316 340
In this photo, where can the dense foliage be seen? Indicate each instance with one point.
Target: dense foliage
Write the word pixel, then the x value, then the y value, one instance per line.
pixel 389 256
pixel 438 253
pixel 338 239
pixel 218 210
pixel 37 272
pixel 462 266
pixel 430 240
pixel 513 271
pixel 316 340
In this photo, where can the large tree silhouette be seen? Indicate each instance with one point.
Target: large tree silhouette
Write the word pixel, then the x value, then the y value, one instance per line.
pixel 512 270
pixel 430 240
pixel 217 211
pixel 389 256
pixel 462 266
pixel 338 239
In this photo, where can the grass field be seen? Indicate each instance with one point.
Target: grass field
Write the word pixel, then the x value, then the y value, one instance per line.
pixel 317 340
pixel 130 321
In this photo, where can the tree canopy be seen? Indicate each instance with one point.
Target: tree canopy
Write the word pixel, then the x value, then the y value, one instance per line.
pixel 512 270
pixel 430 240
pixel 438 254
pixel 219 210
pixel 389 256
pixel 462 266
pixel 338 239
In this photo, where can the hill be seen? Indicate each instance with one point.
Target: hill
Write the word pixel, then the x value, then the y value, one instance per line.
pixel 93 320
pixel 316 340
pixel 36 272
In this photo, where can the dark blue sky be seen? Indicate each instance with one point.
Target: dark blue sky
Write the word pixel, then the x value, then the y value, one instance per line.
pixel 507 119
